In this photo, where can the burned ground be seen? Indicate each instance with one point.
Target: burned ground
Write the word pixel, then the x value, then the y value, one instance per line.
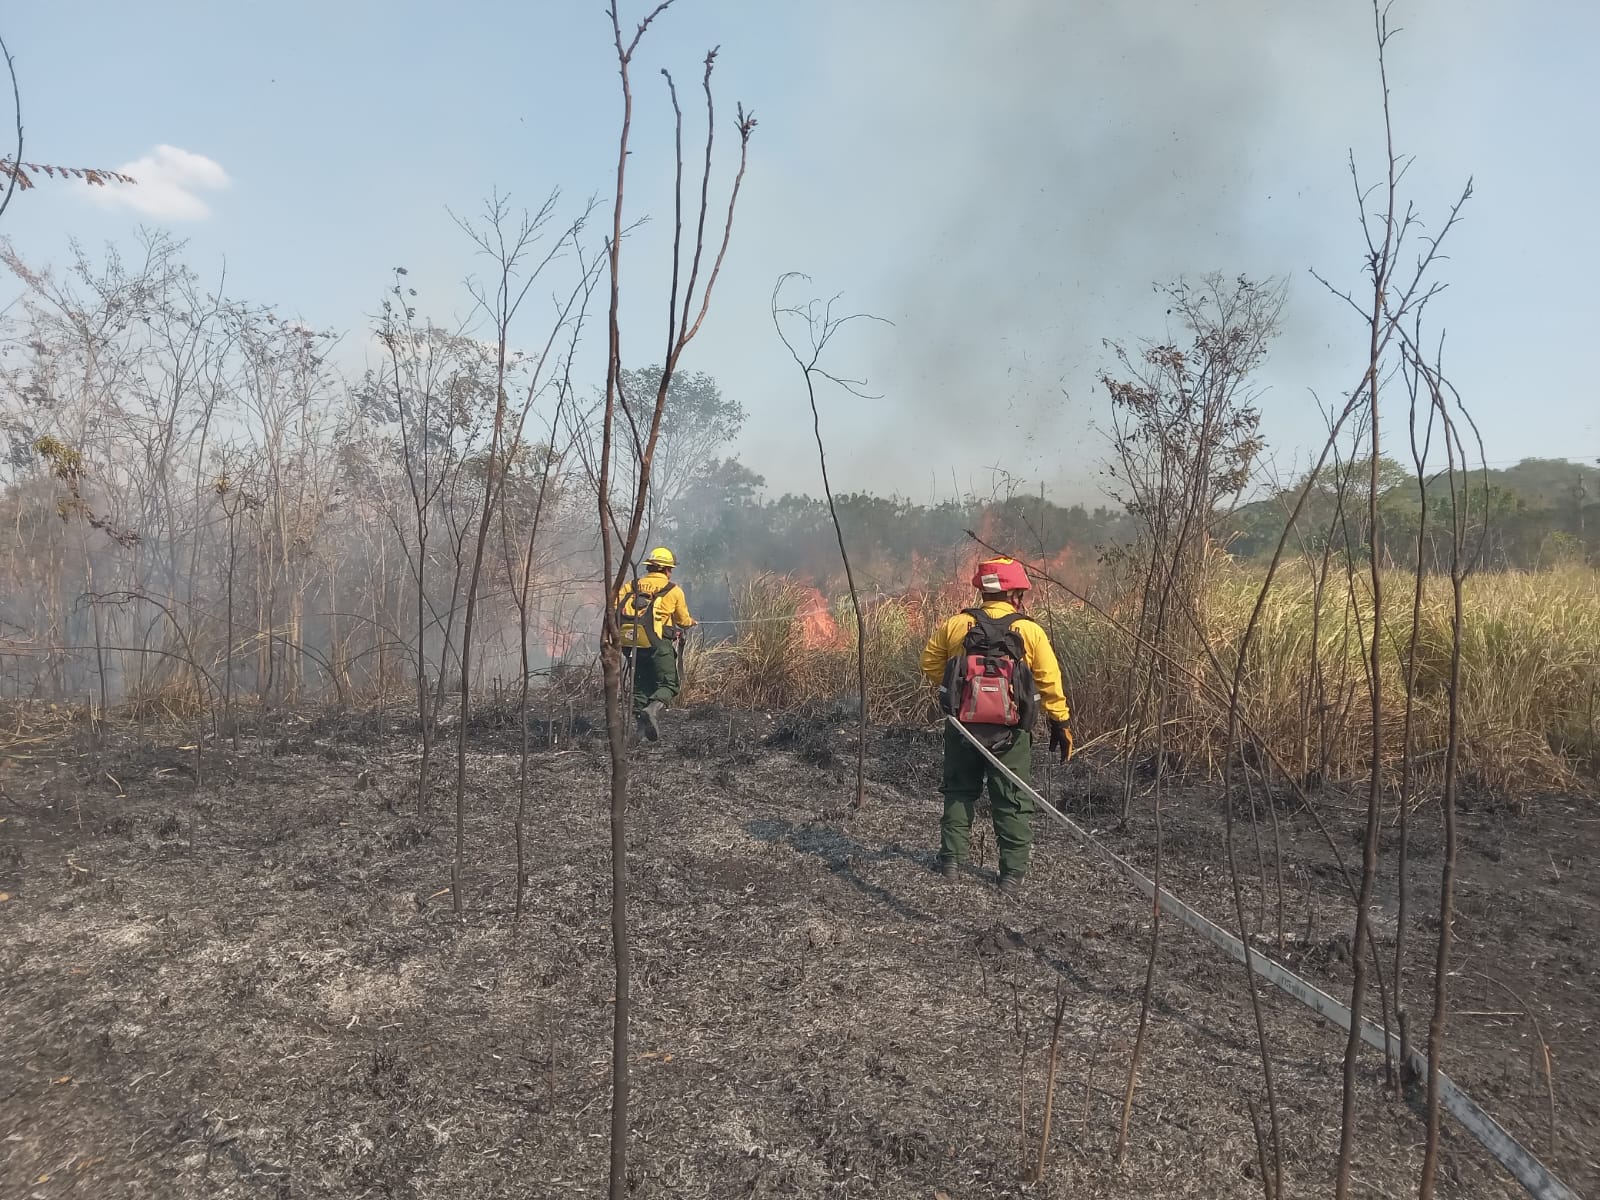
pixel 257 987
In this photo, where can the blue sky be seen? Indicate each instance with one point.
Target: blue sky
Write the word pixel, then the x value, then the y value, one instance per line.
pixel 1004 181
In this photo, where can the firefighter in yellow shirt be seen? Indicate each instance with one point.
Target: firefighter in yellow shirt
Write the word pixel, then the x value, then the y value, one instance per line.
pixel 995 669
pixel 651 617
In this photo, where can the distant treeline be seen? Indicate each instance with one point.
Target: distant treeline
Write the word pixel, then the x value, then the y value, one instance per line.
pixel 723 527
pixel 1540 512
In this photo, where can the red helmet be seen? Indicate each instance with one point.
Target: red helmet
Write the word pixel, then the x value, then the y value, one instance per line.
pixel 997 575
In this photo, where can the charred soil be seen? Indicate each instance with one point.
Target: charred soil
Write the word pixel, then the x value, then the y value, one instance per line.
pixel 256 987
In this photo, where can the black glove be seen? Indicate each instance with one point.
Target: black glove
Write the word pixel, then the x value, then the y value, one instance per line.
pixel 1061 739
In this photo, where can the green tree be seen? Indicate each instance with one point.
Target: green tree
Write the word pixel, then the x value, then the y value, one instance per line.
pixel 696 423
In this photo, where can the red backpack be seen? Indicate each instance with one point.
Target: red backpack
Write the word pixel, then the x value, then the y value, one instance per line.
pixel 988 686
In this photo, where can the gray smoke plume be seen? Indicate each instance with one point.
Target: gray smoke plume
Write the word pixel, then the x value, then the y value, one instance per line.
pixel 1026 171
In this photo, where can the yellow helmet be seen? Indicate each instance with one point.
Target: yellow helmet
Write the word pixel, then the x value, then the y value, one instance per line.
pixel 661 557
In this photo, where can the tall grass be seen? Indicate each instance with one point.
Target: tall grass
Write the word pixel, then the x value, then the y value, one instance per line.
pixel 1531 669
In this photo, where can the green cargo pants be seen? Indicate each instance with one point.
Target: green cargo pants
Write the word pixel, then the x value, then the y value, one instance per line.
pixel 965 771
pixel 655 674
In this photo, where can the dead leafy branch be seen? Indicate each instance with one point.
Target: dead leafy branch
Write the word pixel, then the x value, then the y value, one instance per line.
pixel 1185 435
pixel 19 174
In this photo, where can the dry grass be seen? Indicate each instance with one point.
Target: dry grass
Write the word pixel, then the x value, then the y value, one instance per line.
pixel 787 656
pixel 1531 668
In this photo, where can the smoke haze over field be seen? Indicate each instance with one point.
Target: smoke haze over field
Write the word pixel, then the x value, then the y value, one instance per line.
pixel 1080 158
pixel 1004 181
pixel 1039 169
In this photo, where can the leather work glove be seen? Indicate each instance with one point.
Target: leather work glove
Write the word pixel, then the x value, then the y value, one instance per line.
pixel 1061 739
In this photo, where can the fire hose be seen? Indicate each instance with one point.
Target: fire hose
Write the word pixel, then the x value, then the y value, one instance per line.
pixel 1532 1174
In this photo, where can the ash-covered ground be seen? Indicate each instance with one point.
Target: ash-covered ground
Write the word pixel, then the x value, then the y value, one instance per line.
pixel 257 987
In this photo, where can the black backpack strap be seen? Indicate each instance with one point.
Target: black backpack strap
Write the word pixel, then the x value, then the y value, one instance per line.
pixel 979 617
pixel 994 627
pixel 1030 701
pixel 954 666
pixel 628 602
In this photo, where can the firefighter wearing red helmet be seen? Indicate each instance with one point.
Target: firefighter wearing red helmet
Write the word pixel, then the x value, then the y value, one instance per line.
pixel 995 669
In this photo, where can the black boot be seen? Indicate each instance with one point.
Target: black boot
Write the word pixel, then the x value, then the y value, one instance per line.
pixel 648 718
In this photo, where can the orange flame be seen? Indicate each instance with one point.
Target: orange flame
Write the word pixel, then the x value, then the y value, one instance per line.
pixel 818 629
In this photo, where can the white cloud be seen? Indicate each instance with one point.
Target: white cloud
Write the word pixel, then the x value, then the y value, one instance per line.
pixel 171 185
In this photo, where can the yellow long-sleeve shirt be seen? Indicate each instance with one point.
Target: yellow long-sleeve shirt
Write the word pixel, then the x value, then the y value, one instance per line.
pixel 671 609
pixel 946 641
